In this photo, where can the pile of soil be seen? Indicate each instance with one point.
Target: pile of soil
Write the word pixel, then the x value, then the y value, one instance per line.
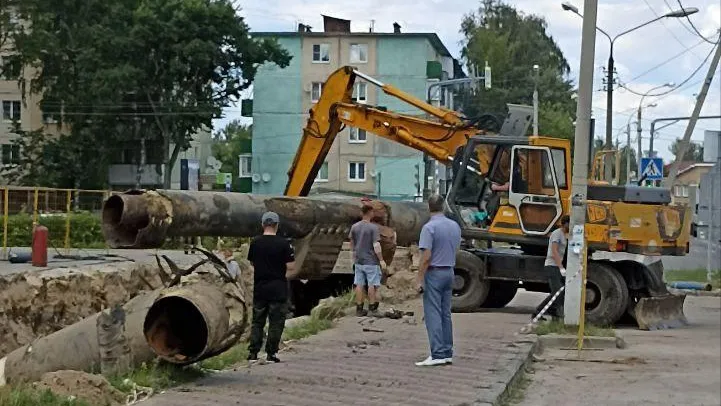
pixel 93 389
pixel 35 304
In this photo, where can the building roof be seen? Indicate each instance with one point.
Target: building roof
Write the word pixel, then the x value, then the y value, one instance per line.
pixel 431 37
pixel 694 165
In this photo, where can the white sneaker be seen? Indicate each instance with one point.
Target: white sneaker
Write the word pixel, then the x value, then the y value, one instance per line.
pixel 430 362
pixel 448 360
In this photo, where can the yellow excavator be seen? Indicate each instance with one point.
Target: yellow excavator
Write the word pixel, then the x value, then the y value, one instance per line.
pixel 510 190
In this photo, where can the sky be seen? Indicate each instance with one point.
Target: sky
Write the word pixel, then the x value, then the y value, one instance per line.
pixel 666 51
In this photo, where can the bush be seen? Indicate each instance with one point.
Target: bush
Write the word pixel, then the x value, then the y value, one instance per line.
pixel 85 230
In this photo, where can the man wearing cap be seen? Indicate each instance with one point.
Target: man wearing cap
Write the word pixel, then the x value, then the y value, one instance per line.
pixel 272 257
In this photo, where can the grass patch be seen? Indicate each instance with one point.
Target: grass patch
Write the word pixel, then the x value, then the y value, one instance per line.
pixel 307 328
pixel 157 375
pixel 29 396
pixel 516 390
pixel 693 275
pixel 557 327
pixel 230 358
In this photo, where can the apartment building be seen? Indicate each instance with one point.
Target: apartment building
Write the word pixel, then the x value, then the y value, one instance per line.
pixel 14 109
pixel 359 162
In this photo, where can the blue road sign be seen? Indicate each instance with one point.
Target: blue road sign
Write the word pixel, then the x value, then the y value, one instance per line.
pixel 652 168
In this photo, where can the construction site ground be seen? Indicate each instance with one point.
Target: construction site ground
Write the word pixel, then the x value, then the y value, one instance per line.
pixel 345 365
pixel 669 367
pixel 92 257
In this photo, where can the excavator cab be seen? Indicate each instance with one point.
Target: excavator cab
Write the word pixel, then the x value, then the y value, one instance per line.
pixel 516 195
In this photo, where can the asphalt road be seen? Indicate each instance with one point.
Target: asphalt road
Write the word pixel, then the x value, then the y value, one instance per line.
pixel 696 258
pixel 670 367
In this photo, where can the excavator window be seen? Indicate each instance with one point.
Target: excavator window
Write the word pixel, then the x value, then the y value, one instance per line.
pixel 559 164
pixel 534 189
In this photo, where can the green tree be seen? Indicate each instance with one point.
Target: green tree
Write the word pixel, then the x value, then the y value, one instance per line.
pixel 132 71
pixel 512 43
pixel 228 143
pixel 694 151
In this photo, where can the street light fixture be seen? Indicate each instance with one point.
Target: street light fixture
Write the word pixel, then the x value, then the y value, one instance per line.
pixel 638 118
pixel 683 12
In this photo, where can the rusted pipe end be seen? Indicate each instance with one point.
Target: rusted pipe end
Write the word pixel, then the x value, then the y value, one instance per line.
pixel 122 220
pixel 136 219
pixel 176 330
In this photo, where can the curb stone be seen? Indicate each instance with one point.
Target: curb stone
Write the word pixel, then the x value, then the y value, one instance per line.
pixel 689 292
pixel 518 362
pixel 569 341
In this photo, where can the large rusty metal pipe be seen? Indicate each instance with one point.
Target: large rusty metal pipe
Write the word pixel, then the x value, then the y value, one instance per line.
pixel 182 324
pixel 144 219
pixel 186 323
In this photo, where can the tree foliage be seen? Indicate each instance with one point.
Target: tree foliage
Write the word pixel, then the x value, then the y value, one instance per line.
pixel 117 71
pixel 694 151
pixel 512 43
pixel 228 144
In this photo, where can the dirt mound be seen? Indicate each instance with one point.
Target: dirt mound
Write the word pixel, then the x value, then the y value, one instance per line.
pixel 93 389
pixel 35 304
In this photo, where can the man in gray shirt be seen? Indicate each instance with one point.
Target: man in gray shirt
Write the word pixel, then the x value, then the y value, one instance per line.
pixel 439 243
pixel 365 247
pixel 553 266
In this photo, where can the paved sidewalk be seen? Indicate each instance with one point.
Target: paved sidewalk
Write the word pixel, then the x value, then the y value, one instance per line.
pixel 345 366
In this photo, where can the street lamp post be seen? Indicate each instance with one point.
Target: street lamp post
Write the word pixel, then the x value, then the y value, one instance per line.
pixel 638 122
pixel 609 74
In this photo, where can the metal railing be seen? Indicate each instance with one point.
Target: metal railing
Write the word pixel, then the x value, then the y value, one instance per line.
pixel 40 204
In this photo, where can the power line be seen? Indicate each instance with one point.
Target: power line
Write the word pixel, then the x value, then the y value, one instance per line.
pixel 693 26
pixel 677 86
pixel 666 26
pixel 678 55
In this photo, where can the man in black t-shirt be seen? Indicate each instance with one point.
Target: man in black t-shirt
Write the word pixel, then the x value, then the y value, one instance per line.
pixel 272 257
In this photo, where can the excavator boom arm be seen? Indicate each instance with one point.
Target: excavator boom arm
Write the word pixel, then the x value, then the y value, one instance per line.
pixel 336 109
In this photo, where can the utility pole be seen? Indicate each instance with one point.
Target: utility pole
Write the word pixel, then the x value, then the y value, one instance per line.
pixel 535 99
pixel 628 153
pixel 136 132
pixel 579 188
pixel 710 242
pixel 694 117
pixel 609 113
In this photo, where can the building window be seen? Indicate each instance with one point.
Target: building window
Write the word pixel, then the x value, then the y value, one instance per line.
pixel 680 190
pixel 49 117
pixel 10 154
pixel 10 68
pixel 321 53
pixel 244 166
pixel 315 91
pixel 322 173
pixel 360 92
pixel 11 110
pixel 357 136
pixel 356 171
pixel 359 53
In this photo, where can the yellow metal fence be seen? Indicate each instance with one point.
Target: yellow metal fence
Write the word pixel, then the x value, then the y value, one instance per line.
pixel 26 207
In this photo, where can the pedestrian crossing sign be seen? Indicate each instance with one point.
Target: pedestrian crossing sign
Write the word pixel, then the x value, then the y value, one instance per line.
pixel 652 168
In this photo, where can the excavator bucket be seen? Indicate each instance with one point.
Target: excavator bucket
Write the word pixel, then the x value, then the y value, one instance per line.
pixel 661 309
pixel 660 312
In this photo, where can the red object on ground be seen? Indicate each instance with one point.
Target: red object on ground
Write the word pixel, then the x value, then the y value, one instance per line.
pixel 40 246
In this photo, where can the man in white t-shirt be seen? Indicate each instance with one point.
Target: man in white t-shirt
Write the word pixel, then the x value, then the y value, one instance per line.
pixel 553 266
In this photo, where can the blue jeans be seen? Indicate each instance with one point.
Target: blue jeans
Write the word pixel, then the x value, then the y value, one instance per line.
pixel 437 293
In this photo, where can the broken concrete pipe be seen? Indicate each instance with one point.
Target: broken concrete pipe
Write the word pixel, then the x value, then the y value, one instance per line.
pixel 186 323
pixel 144 219
pixel 182 325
